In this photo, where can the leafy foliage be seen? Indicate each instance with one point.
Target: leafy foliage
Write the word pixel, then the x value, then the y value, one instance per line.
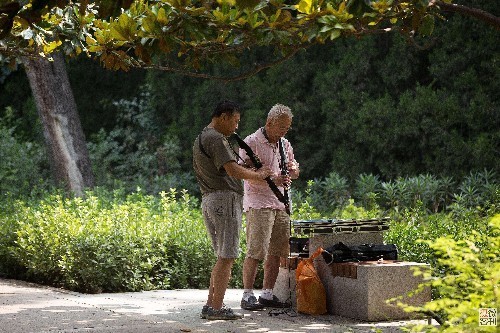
pixel 376 105
pixel 381 105
pixel 23 164
pixel 133 154
pixel 465 277
pixel 331 192
pixel 331 195
pixel 197 33
pixel 108 242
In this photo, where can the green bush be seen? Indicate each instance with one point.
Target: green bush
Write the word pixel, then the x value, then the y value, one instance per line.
pixel 434 194
pixel 135 153
pixel 114 241
pixel 303 207
pixel 410 227
pixel 333 192
pixel 109 242
pixel 367 190
pixel 23 165
pixel 9 265
pixel 466 276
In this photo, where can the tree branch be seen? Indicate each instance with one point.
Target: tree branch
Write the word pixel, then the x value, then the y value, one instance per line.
pixel 251 72
pixel 468 11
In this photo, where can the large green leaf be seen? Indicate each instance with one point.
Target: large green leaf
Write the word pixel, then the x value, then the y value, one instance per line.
pixel 427 26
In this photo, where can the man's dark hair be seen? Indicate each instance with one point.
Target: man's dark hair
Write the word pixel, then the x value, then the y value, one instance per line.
pixel 226 107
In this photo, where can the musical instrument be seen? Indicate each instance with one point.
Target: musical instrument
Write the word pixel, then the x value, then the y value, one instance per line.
pixel 337 226
pixel 284 172
pixel 258 164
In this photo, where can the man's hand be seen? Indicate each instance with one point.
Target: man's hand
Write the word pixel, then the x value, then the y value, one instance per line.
pixel 237 171
pixel 283 180
pixel 293 169
pixel 264 172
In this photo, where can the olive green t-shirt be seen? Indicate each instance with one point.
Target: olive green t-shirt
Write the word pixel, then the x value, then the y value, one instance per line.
pixel 208 162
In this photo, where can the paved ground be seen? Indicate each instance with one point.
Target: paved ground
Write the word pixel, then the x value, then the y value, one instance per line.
pixel 26 308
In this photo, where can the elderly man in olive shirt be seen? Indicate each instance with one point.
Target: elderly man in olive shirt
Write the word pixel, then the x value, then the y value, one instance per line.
pixel 219 176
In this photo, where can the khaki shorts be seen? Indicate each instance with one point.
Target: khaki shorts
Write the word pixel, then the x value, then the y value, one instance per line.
pixel 267 232
pixel 222 211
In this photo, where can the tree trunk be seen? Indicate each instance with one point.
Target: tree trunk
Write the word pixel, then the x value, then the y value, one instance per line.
pixel 68 154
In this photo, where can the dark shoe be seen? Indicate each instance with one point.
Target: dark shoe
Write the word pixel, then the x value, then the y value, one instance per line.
pixel 274 303
pixel 251 304
pixel 204 312
pixel 223 314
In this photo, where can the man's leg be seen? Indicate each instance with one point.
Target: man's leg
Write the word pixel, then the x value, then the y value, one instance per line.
pixel 249 301
pixel 278 247
pixel 250 266
pixel 223 219
pixel 258 233
pixel 259 228
pixel 219 280
pixel 271 270
pixel 211 288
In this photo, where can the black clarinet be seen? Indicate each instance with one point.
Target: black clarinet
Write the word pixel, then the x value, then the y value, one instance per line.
pixel 284 172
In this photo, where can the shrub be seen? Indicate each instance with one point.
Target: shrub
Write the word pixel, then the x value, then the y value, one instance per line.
pixel 478 189
pixel 135 153
pixel 413 225
pixel 23 165
pixel 9 265
pixel 114 241
pixel 466 277
pixel 334 191
pixel 302 204
pixel 367 190
pixel 109 242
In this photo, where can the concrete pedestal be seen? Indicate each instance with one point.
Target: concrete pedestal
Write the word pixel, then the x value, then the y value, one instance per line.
pixel 363 295
pixel 360 291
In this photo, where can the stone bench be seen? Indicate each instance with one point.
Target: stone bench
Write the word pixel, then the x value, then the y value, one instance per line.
pixel 361 290
pixel 358 290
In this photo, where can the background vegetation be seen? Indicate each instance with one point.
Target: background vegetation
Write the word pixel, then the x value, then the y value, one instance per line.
pixel 112 241
pixel 377 105
pixel 382 127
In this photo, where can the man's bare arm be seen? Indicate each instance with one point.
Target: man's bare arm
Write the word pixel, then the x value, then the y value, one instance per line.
pixel 237 171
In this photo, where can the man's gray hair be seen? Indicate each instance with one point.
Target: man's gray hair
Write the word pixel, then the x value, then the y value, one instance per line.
pixel 279 110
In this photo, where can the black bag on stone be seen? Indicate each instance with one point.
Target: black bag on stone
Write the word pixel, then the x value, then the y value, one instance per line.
pixel 299 246
pixel 364 252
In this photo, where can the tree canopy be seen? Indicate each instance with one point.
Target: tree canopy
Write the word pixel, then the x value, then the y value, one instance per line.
pixel 187 35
